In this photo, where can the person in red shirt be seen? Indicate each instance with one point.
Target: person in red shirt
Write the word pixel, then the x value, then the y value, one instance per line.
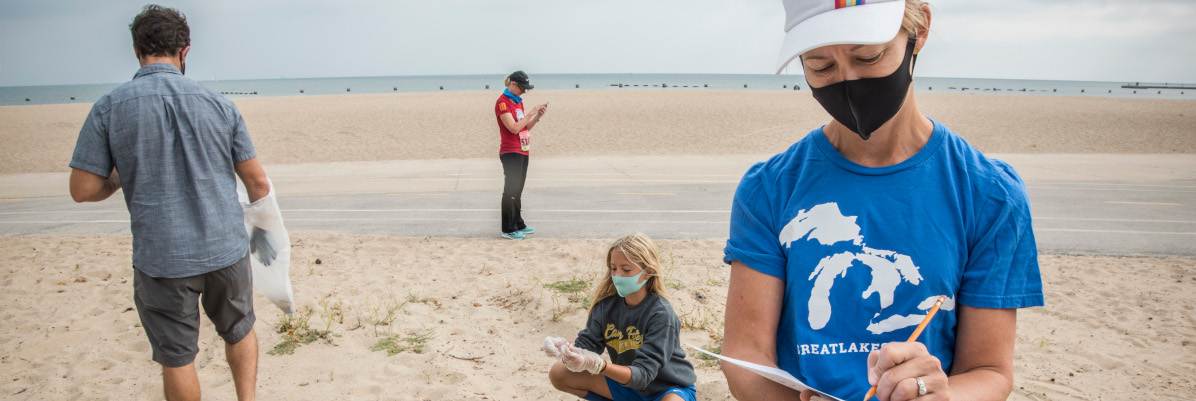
pixel 514 128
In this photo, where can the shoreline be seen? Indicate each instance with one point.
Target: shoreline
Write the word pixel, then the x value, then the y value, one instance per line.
pixel 285 87
pixel 1182 97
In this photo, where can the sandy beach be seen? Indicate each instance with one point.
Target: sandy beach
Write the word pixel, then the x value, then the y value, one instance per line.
pixel 461 125
pixel 1114 328
pixel 465 316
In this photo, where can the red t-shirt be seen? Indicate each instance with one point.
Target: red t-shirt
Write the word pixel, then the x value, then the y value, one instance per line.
pixel 509 141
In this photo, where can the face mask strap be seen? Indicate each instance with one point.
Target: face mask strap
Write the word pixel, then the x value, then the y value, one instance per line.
pixel 913 43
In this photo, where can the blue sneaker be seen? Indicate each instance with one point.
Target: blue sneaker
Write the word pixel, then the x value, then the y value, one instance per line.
pixel 527 230
pixel 514 235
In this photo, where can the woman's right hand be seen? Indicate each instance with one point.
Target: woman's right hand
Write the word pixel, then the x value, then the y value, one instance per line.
pixel 580 360
pixel 898 367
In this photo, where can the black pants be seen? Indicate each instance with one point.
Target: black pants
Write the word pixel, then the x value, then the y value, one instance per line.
pixel 514 169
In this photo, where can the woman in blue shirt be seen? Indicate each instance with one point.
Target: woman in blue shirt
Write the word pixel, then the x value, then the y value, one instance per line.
pixel 840 245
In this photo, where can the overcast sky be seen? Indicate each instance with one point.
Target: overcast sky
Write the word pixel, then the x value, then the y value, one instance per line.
pixel 50 42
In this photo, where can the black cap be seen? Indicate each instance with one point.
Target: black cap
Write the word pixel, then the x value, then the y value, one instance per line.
pixel 520 78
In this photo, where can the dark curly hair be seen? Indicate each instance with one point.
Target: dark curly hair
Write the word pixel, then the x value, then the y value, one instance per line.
pixel 160 31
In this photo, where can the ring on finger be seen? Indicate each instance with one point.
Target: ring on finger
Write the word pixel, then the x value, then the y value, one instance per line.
pixel 921 386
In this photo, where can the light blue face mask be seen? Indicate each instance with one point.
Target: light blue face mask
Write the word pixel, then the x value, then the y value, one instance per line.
pixel 628 285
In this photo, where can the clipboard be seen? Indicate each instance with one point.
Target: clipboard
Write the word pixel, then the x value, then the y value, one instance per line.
pixel 770 373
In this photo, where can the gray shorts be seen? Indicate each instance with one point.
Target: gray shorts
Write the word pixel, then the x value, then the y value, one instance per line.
pixel 169 309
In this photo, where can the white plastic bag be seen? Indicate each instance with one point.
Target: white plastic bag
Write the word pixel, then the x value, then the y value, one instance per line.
pixel 274 280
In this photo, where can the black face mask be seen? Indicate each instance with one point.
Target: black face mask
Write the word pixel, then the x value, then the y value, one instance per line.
pixel 863 105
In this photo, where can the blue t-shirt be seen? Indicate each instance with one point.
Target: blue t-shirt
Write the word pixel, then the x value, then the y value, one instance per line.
pixel 174 144
pixel 864 252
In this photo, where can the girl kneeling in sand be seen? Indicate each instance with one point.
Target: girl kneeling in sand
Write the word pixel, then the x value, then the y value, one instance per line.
pixel 639 330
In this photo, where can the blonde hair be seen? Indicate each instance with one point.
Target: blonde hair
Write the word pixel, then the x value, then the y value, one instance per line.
pixel 639 249
pixel 506 81
pixel 915 17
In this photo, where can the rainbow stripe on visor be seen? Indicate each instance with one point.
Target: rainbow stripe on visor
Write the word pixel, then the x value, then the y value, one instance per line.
pixel 848 3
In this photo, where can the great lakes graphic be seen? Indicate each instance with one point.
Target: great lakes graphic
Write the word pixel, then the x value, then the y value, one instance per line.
pixel 827 225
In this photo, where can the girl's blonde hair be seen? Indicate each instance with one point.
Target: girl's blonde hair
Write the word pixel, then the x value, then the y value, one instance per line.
pixel 915 17
pixel 639 249
pixel 506 81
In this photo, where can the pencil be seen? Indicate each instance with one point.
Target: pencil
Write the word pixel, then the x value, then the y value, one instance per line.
pixel 917 332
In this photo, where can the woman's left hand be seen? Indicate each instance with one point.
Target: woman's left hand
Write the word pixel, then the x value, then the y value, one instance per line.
pixel 552 346
pixel 897 368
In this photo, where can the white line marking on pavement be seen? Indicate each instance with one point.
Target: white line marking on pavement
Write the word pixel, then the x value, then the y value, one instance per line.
pixel 1117 220
pixel 1109 189
pixel 613 175
pixel 1069 230
pixel 64 221
pixel 392 219
pixel 1111 184
pixel 412 211
pixel 536 220
pixel 499 180
pixel 497 211
pixel 1146 203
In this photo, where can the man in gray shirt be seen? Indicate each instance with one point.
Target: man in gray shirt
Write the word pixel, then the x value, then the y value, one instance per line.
pixel 176 146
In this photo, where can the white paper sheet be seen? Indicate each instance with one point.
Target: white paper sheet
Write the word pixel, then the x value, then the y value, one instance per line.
pixel 771 373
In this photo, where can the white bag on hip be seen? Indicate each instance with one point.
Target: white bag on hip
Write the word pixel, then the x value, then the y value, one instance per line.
pixel 270 250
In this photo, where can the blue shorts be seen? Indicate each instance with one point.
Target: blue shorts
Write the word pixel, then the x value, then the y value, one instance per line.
pixel 623 393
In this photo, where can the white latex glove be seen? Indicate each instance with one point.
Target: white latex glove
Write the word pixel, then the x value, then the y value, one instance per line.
pixel 552 346
pixel 580 360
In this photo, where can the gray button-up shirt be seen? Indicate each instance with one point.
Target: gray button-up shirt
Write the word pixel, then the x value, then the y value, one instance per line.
pixel 174 143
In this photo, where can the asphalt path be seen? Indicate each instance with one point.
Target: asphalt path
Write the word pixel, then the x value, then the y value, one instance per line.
pixel 1076 216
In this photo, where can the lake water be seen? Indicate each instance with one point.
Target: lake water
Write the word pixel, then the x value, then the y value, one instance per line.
pixel 17 95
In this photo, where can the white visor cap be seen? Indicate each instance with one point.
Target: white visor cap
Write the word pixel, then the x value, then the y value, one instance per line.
pixel 811 24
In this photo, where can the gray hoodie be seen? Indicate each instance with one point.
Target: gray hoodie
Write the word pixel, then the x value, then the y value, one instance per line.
pixel 645 337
